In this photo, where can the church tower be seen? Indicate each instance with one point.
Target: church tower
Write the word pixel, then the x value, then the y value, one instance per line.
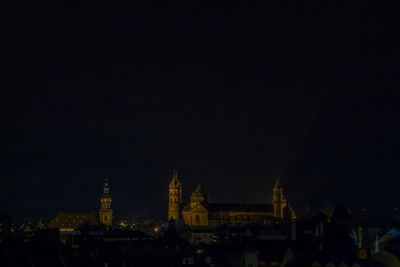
pixel 278 200
pixel 174 198
pixel 197 197
pixel 106 212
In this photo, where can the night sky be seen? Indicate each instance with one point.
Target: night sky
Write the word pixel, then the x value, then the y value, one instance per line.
pixel 230 97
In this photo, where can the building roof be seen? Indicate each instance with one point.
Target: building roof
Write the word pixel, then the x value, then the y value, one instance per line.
pixel 72 220
pixel 199 191
pixel 277 183
pixel 240 207
pixel 175 180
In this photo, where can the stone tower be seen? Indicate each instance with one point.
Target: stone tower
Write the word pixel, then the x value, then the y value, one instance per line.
pixel 278 200
pixel 197 197
pixel 174 198
pixel 106 212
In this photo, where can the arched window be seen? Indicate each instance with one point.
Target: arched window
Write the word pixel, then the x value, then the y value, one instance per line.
pixel 105 218
pixel 197 219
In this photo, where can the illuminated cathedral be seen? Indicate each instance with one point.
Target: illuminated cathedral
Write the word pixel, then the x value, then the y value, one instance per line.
pixel 199 212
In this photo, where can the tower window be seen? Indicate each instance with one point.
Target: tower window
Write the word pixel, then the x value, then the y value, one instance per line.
pixel 105 218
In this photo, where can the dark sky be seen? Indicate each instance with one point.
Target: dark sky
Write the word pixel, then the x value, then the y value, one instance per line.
pixel 229 96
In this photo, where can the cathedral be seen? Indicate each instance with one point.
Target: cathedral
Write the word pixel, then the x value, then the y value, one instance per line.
pixel 199 212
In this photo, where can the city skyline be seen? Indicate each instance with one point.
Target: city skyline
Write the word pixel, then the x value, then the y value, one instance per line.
pixel 229 97
pixel 303 209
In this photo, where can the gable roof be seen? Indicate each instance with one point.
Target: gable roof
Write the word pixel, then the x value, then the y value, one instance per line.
pixel 240 207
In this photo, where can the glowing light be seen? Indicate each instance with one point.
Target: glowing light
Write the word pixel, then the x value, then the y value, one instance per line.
pixel 199 251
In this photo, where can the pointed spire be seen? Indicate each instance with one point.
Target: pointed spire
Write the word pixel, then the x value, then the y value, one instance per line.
pixel 198 190
pixel 277 182
pixel 174 175
pixel 198 195
pixel 106 189
pixel 175 180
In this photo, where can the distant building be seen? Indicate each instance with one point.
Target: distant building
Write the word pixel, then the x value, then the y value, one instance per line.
pixel 202 235
pixel 199 212
pixel 106 212
pixel 175 198
pixel 72 221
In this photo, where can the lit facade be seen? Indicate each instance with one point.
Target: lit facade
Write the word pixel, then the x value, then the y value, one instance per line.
pixel 199 212
pixel 72 221
pixel 106 212
pixel 279 201
pixel 174 198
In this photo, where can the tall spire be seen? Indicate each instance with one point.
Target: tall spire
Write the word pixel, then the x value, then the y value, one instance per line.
pixel 277 183
pixel 106 212
pixel 175 180
pixel 106 189
pixel 279 201
pixel 174 197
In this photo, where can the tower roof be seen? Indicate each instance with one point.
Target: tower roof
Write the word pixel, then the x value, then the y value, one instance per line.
pixel 106 188
pixel 277 182
pixel 198 194
pixel 175 180
pixel 198 191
